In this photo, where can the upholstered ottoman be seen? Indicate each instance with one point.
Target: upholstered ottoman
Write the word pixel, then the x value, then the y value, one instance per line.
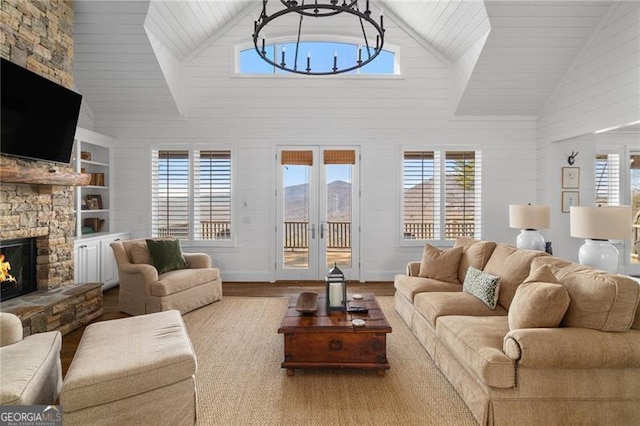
pixel 138 370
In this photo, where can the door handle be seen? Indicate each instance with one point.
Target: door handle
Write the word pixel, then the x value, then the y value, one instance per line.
pixel 313 231
pixel 322 231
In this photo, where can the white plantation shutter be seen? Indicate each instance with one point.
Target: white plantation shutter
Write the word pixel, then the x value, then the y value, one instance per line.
pixel 462 194
pixel 607 181
pixel 441 195
pixel 191 194
pixel 421 200
pixel 212 195
pixel 170 194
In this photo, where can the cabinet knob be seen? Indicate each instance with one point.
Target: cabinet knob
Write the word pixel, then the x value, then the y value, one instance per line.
pixel 82 246
pixel 117 239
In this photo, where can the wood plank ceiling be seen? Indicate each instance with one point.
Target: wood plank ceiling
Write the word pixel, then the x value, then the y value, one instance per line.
pixel 529 48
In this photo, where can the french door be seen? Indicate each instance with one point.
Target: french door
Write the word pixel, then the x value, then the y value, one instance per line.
pixel 317 223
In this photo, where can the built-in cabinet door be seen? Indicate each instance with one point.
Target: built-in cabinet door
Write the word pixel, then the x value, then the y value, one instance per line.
pixel 87 264
pixel 109 272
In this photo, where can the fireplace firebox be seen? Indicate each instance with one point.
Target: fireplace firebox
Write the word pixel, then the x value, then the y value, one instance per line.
pixel 17 267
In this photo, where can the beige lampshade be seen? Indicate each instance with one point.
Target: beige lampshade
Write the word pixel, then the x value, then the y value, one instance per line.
pixel 601 223
pixel 527 216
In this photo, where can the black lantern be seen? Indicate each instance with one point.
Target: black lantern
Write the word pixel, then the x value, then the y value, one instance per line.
pixel 336 288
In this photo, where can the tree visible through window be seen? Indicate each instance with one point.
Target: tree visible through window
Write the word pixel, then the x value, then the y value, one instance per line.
pixel 191 194
pixel 441 195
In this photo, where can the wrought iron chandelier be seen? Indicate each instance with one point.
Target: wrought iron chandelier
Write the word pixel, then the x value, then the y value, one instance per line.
pixel 321 9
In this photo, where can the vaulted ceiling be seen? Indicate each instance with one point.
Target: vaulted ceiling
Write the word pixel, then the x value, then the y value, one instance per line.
pixel 509 55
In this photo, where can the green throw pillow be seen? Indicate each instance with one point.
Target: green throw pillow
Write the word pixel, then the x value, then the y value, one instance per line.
pixel 166 255
pixel 482 285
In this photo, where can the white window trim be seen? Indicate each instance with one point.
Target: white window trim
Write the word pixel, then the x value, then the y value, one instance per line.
pixel 402 242
pixel 191 147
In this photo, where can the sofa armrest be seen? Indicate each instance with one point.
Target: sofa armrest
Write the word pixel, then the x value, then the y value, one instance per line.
pixel 10 329
pixel 572 347
pixel 413 268
pixel 197 260
pixel 131 276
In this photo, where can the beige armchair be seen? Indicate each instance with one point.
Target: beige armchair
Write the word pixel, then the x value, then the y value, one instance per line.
pixel 143 291
pixel 30 368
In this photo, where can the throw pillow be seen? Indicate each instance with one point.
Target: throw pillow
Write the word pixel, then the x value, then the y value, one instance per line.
pixel 542 273
pixel 140 253
pixel 166 255
pixel 482 285
pixel 538 305
pixel 440 264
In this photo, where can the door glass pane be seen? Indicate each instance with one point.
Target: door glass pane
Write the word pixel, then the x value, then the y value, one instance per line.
pixel 296 216
pixel 634 165
pixel 339 209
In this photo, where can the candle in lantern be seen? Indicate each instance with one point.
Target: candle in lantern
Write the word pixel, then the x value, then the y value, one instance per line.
pixel 335 294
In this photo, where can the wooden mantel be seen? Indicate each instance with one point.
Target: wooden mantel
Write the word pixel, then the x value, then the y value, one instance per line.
pixel 42 176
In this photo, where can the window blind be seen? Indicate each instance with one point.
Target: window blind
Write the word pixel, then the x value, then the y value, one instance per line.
pixel 420 184
pixel 462 194
pixel 212 195
pixel 607 179
pixel 170 194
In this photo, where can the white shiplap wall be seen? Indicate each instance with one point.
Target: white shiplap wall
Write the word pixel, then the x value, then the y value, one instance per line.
pixel 381 115
pixel 602 88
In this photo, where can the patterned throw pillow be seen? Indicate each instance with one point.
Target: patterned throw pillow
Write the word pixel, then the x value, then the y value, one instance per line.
pixel 482 285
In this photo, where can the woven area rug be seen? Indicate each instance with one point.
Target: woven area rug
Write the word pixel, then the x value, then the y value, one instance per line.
pixel 240 381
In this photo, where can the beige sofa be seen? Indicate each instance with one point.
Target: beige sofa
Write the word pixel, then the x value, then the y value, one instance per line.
pixel 30 368
pixel 562 348
pixel 144 291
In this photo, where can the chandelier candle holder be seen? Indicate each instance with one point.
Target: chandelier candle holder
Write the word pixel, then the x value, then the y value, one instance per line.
pixel 313 9
pixel 336 289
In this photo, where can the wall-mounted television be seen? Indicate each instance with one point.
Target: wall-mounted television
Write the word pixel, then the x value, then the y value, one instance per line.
pixel 39 117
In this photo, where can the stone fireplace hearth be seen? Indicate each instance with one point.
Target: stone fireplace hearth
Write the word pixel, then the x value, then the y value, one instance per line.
pixel 45 213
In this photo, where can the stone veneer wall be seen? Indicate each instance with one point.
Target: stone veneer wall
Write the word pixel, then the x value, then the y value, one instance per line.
pixel 38 35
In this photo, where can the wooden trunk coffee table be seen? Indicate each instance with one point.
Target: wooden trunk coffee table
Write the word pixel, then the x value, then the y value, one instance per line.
pixel 318 340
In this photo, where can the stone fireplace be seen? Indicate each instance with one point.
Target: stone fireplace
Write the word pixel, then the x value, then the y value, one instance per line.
pixel 31 208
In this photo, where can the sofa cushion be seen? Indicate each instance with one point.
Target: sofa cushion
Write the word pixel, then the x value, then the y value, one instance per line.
pixel 477 344
pixel 512 265
pixel 475 253
pixel 30 370
pixel 485 287
pixel 139 252
pixel 166 255
pixel 440 264
pixel 538 305
pixel 182 279
pixel 410 286
pixel 435 305
pixel 599 300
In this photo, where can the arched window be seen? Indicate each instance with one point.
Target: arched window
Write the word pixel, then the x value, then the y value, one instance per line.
pixel 320 55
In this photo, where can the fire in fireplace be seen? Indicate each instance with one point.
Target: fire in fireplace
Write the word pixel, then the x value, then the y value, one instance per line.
pixel 17 267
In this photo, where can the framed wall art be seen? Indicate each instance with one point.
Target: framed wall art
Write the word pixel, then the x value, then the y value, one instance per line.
pixel 570 177
pixel 569 199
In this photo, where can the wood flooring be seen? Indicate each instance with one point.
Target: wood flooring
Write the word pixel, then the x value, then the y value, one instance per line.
pixel 280 289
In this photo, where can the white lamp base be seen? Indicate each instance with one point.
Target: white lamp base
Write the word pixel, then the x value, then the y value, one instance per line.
pixel 599 254
pixel 530 239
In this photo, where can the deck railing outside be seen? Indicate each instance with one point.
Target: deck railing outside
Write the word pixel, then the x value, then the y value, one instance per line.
pixel 338 234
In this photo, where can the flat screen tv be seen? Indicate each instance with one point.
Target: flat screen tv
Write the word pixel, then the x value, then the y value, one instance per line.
pixel 39 117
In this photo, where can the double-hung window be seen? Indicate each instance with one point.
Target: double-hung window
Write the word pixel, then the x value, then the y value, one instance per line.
pixel 441 194
pixel 607 182
pixel 191 194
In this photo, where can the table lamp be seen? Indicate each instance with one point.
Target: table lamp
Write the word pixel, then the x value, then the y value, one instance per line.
pixel 597 225
pixel 530 218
